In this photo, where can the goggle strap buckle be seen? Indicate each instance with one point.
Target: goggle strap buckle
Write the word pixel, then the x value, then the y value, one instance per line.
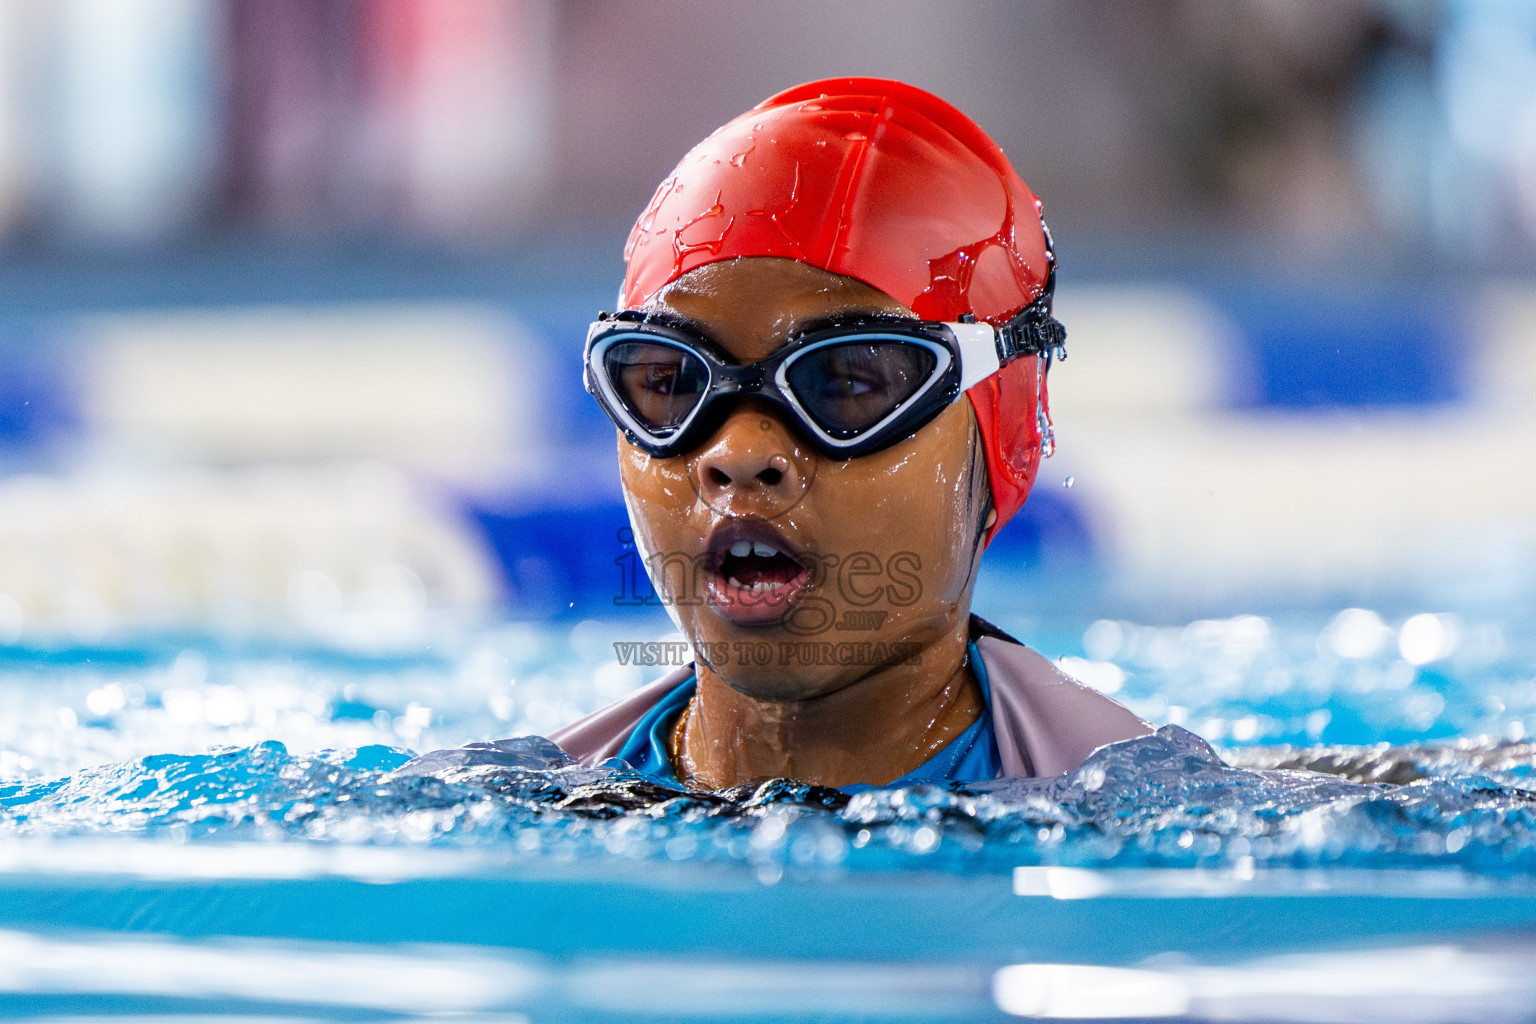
pixel 1033 332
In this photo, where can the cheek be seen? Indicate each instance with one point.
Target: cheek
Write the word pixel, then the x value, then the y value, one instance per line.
pixel 659 496
pixel 917 499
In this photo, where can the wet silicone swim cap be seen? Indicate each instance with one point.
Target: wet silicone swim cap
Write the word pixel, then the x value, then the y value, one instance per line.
pixel 879 181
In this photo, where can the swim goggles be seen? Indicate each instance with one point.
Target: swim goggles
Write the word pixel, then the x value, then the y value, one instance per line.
pixel 853 387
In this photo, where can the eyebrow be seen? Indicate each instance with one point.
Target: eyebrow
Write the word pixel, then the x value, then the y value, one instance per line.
pixel 844 317
pixel 840 318
pixel 677 321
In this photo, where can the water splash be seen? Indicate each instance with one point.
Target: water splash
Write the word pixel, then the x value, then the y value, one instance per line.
pixel 1166 800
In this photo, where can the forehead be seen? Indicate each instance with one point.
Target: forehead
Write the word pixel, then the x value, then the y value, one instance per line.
pixel 749 306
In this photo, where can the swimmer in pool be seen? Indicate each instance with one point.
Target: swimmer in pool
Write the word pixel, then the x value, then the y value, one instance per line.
pixel 827 372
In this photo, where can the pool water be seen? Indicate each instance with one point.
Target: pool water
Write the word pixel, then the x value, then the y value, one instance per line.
pixel 199 818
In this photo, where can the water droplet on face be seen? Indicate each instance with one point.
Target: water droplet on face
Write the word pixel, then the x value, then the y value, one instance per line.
pixel 1069 481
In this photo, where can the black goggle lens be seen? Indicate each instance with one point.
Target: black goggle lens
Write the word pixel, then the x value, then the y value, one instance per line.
pixel 660 385
pixel 848 388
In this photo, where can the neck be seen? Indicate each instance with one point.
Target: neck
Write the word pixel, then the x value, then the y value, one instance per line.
pixel 874 730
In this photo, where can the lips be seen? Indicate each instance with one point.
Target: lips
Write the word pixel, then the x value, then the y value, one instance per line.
pixel 755 575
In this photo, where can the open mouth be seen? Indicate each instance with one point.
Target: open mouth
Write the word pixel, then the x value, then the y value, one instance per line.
pixel 754 579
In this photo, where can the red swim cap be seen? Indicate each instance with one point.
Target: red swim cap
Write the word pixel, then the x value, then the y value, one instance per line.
pixel 880 181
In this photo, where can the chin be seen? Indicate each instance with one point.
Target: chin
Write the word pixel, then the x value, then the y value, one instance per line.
pixel 772 663
pixel 774 684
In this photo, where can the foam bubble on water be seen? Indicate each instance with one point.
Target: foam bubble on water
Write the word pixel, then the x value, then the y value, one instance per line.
pixel 1356 634
pixel 1102 640
pixel 105 699
pixel 1427 637
pixel 1104 676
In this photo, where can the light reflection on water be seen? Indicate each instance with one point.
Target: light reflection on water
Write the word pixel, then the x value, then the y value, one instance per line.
pixel 312 980
pixel 1242 681
pixel 195 741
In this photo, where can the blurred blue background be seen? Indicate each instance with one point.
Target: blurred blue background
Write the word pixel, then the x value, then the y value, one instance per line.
pixel 292 296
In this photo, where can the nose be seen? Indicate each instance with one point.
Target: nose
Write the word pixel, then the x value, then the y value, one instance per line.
pixel 754 465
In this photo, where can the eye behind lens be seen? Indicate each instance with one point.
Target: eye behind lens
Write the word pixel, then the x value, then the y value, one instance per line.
pixel 658 384
pixel 848 388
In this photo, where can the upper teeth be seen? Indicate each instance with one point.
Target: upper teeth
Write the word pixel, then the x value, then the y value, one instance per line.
pixel 743 548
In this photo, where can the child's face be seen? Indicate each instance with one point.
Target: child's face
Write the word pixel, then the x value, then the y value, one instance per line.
pixel 874 551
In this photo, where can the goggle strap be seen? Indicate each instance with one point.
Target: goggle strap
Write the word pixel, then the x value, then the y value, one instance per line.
pixel 984 349
pixel 979 352
pixel 1031 333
